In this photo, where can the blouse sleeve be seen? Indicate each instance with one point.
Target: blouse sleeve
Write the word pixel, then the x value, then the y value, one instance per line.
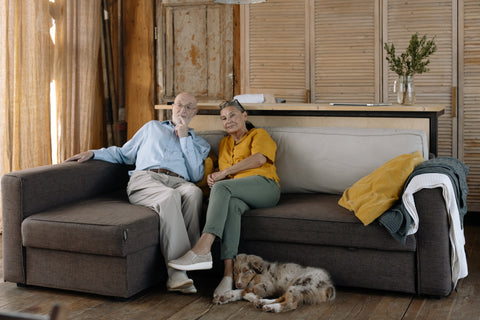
pixel 264 144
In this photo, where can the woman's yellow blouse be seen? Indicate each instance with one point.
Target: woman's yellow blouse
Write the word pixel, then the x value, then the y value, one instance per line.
pixel 254 141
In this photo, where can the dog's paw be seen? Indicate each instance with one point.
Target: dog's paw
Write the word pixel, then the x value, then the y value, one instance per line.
pixel 252 297
pixel 262 302
pixel 274 307
pixel 227 296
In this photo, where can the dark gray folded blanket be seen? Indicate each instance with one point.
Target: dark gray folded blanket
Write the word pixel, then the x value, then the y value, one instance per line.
pixel 397 220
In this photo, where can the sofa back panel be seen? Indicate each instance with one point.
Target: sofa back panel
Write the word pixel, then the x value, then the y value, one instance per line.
pixel 213 137
pixel 329 160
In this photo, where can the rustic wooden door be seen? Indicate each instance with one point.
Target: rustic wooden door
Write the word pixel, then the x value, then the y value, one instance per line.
pixel 194 49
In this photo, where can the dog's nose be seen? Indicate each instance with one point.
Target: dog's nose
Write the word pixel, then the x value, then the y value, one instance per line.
pixel 238 285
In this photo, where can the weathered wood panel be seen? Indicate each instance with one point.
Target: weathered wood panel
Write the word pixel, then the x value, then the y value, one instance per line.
pixel 195 51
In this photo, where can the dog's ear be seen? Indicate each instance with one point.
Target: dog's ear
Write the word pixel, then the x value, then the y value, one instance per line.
pixel 256 263
pixel 330 293
pixel 239 257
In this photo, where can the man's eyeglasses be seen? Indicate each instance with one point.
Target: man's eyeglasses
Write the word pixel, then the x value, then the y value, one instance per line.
pixel 188 106
pixel 232 103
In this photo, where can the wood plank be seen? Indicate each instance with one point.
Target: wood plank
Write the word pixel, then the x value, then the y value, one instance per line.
pixel 316 106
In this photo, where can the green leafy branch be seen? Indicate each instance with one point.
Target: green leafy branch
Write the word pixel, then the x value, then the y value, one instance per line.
pixel 414 59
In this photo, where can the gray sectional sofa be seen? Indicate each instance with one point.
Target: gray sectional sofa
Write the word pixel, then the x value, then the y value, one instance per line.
pixel 70 226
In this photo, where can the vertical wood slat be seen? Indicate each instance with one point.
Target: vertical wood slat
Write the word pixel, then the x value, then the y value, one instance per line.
pixel 169 53
pixel 275 46
pixel 346 48
pixel 433 18
pixel 469 102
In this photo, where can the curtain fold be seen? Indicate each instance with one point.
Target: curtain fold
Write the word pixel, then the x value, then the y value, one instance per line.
pixel 77 45
pixel 25 91
pixel 29 61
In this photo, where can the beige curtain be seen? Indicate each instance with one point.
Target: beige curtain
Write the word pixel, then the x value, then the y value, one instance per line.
pixel 77 45
pixel 25 84
pixel 29 61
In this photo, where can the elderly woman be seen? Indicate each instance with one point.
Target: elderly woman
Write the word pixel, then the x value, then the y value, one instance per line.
pixel 247 178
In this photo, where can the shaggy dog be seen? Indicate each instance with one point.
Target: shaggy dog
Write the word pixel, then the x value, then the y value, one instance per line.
pixel 294 285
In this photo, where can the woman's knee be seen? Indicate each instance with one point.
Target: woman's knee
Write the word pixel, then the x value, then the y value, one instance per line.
pixel 237 206
pixel 220 188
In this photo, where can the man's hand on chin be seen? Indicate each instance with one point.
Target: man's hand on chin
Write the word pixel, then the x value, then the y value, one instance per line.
pixel 181 128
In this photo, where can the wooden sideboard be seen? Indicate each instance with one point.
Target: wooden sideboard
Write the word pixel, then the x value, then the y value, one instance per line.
pixel 393 114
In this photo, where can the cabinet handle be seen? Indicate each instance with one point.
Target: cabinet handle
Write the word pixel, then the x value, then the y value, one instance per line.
pixel 307 96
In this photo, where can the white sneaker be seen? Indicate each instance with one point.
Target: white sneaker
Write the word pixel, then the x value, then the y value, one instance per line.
pixel 184 289
pixel 191 261
pixel 178 280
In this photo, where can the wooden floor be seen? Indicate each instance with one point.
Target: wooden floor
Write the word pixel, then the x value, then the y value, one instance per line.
pixel 350 303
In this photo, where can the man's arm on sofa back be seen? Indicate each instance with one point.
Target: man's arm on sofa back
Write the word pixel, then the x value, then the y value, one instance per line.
pixel 29 191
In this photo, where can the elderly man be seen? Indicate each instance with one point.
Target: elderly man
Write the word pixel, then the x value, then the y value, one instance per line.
pixel 168 157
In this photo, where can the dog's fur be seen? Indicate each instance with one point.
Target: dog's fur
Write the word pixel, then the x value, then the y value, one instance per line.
pixel 294 285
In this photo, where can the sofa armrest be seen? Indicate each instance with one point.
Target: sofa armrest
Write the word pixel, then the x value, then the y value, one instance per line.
pixel 434 268
pixel 29 191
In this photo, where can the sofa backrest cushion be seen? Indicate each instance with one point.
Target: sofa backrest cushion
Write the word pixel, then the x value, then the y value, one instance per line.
pixel 213 137
pixel 328 159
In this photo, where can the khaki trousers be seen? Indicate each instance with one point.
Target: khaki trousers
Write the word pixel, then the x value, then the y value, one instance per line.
pixel 177 202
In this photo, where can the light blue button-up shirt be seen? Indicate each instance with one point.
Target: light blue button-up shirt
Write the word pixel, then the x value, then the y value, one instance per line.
pixel 157 146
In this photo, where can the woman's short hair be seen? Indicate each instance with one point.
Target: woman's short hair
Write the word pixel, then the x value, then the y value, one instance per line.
pixel 233 103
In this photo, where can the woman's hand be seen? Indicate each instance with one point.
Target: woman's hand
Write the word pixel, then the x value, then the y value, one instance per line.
pixel 214 177
pixel 254 161
pixel 82 157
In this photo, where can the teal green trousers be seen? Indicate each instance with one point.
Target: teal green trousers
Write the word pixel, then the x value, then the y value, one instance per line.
pixel 229 199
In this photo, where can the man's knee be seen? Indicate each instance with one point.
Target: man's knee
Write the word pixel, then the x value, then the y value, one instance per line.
pixel 193 192
pixel 169 199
